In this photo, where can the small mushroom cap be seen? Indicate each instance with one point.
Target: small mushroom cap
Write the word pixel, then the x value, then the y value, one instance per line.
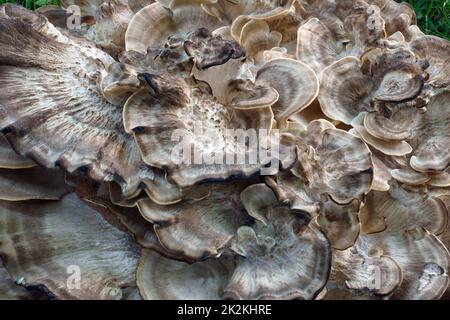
pixel 31 184
pixel 336 163
pixel 198 121
pixel 340 223
pixel 422 258
pixel 181 18
pixel 255 37
pixel 108 32
pixel 424 262
pixel 160 278
pixel 38 251
pixel 436 51
pixel 257 200
pixel 390 148
pixel 399 209
pixel 151 17
pixel 316 45
pixel 119 83
pixel 295 82
pixel 344 90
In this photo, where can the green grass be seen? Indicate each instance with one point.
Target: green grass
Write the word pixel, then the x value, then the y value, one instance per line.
pixel 32 4
pixel 433 15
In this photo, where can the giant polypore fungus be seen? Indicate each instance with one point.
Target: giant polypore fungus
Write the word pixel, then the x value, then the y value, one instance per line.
pixel 223 149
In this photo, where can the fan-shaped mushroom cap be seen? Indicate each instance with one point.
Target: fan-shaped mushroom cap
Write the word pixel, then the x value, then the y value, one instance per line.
pixel 394 128
pixel 66 122
pixel 160 278
pixel 424 262
pixel 206 228
pixel 344 90
pixel 409 176
pixel 381 175
pixel 38 250
pixel 431 136
pixel 110 27
pixel 295 82
pixel 440 179
pixel 316 46
pixel 324 38
pixel 385 76
pixel 255 37
pixel 185 117
pixel 390 147
pixel 257 200
pixel 399 209
pixel 422 258
pixel 293 191
pixel 273 252
pixel 32 183
pixel 337 163
pixel 208 49
pixel 9 159
pixel 154 24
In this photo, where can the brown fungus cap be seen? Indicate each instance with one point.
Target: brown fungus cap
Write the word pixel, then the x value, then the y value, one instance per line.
pixel 68 124
pixel 41 230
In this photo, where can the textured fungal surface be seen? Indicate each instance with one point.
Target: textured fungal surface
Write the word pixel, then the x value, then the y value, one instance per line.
pixel 223 149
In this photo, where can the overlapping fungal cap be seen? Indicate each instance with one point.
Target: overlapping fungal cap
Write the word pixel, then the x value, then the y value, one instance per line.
pixel 188 132
pixel 392 211
pixel 200 228
pixel 50 256
pixel 331 177
pixel 279 237
pixel 384 78
pixel 280 244
pixel 68 124
pixel 411 264
pixel 335 163
pixel 352 101
pixel 430 136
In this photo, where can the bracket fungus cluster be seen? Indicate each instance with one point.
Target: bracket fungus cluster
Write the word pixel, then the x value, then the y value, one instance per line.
pixel 223 149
